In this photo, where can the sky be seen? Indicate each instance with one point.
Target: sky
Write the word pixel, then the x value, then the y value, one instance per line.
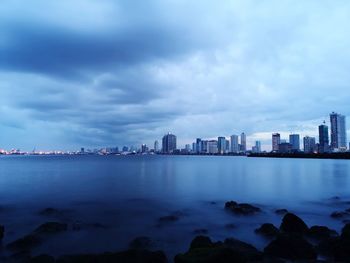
pixel 97 73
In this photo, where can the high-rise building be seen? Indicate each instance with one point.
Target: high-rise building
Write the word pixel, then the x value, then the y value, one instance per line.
pixel 309 144
pixel 156 146
pixel 338 132
pixel 276 140
pixel 257 147
pixel 187 148
pixel 243 142
pixel 144 148
pixel 294 141
pixel 234 144
pixel 204 147
pixel 323 138
pixel 212 146
pixel 198 145
pixel 221 145
pixel 169 143
pixel 227 148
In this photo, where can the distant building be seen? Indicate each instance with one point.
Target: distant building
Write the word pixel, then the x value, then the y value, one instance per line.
pixel 309 144
pixel 276 140
pixel 284 147
pixel 338 132
pixel 144 148
pixel 323 138
pixel 194 147
pixel 169 143
pixel 187 148
pixel 221 145
pixel 243 142
pixel 212 146
pixel 294 140
pixel 125 148
pixel 257 147
pixel 227 149
pixel 198 145
pixel 234 144
pixel 204 147
pixel 156 146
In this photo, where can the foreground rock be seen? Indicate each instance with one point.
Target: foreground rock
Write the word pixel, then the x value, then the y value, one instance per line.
pixel 268 230
pixel 42 259
pixel 2 232
pixel 321 232
pixel 291 247
pixel 293 224
pixel 202 249
pixel 140 243
pixel 241 209
pixel 132 256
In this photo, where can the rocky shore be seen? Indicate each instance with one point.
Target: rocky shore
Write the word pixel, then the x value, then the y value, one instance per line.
pixel 291 241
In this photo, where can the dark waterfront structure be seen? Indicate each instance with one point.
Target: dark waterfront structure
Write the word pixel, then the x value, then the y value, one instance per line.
pixel 169 143
pixel 309 144
pixel 323 138
pixel 276 140
pixel 221 145
pixel 338 132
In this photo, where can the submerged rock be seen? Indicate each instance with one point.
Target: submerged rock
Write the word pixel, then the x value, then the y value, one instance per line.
pixel 203 250
pixel 292 247
pixel 140 243
pixel 339 214
pixel 242 209
pixel 293 224
pixel 268 230
pixel 2 232
pixel 281 211
pixel 132 256
pixel 51 228
pixel 49 211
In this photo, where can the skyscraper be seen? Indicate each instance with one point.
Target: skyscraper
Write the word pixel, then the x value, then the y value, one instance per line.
pixel 243 142
pixel 276 140
pixel 234 144
pixel 338 131
pixel 156 146
pixel 198 145
pixel 169 143
pixel 257 147
pixel 221 145
pixel 309 144
pixel 212 146
pixel 323 138
pixel 294 140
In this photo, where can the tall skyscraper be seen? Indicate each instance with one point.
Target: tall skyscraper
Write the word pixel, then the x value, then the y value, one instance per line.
pixel 212 146
pixel 204 147
pixel 169 143
pixel 294 141
pixel 198 145
pixel 221 145
pixel 276 140
pixel 243 142
pixel 156 146
pixel 234 144
pixel 323 138
pixel 309 144
pixel 257 147
pixel 338 132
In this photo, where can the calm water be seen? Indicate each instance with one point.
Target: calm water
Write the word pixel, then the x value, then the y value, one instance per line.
pixel 126 195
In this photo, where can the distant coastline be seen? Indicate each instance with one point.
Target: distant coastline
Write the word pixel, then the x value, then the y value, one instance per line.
pixel 340 155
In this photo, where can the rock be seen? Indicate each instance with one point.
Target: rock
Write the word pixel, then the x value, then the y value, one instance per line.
pixel 140 243
pixel 339 214
pixel 268 230
pixel 49 211
pixel 293 224
pixel 232 250
pixel 345 233
pixel 43 258
pixel 242 209
pixel 171 218
pixel 201 242
pixel 132 256
pixel 321 232
pixel 2 232
pixel 51 228
pixel 292 247
pixel 200 231
pixel 25 243
pixel 281 211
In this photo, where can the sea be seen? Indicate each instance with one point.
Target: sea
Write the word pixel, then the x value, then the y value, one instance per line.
pixel 108 201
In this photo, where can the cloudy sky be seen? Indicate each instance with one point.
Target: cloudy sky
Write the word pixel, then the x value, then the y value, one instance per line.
pixel 111 73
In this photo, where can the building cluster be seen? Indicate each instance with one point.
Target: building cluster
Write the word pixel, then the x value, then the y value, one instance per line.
pixel 333 141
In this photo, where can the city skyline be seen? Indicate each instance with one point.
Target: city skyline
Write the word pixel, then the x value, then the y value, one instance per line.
pixel 94 74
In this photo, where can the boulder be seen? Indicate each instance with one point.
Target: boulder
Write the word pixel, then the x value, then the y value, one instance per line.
pixel 345 233
pixel 281 211
pixel 25 243
pixel 293 224
pixel 2 232
pixel 268 230
pixel 291 247
pixel 339 214
pixel 140 243
pixel 201 242
pixel 51 228
pixel 241 209
pixel 321 232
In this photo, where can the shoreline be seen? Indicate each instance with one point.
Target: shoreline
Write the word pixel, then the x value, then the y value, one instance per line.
pixel 343 155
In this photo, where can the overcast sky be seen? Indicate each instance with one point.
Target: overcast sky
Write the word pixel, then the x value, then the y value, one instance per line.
pixel 112 73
